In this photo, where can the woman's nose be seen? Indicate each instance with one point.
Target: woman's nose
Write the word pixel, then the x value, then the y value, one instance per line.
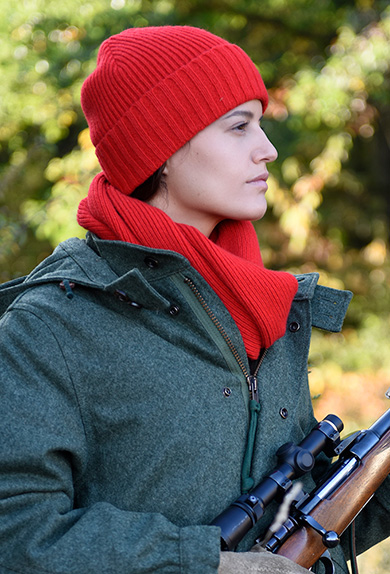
pixel 265 150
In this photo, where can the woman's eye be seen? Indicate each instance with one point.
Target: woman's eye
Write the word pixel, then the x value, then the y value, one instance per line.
pixel 241 127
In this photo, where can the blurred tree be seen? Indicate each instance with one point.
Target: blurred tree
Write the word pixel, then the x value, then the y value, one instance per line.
pixel 327 67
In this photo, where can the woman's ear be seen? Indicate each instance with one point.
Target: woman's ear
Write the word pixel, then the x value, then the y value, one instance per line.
pixel 165 170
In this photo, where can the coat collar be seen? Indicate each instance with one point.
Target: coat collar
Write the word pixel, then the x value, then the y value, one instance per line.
pixel 133 268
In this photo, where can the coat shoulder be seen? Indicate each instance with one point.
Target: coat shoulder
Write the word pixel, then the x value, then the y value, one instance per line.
pixel 328 305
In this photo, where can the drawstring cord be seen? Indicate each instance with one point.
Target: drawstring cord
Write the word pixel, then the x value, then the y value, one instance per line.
pixel 247 482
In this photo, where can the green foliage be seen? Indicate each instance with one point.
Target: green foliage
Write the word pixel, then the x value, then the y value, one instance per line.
pixel 327 67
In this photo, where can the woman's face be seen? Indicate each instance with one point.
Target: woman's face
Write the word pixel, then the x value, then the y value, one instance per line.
pixel 221 173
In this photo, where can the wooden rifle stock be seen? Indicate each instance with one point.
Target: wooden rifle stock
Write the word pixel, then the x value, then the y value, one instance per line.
pixel 336 511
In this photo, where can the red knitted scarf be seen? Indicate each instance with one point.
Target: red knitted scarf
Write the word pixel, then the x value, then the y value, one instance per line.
pixel 258 299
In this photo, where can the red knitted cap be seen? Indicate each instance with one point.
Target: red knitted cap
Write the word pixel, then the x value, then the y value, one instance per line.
pixel 154 88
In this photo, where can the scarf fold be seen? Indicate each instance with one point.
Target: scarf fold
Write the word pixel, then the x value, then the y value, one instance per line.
pixel 258 299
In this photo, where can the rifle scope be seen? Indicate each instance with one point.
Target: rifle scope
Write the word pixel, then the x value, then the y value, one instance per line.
pixel 294 461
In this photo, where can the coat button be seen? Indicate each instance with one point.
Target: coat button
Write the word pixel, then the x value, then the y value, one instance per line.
pixel 174 310
pixel 283 412
pixel 227 392
pixel 151 262
pixel 294 327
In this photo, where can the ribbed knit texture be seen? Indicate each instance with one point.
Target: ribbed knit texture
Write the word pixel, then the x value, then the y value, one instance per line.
pixel 258 299
pixel 154 88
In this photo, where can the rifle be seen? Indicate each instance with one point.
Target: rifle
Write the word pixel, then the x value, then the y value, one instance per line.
pixel 318 519
pixel 294 461
pixel 315 522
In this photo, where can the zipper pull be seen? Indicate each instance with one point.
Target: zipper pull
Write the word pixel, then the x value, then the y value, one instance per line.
pixel 253 390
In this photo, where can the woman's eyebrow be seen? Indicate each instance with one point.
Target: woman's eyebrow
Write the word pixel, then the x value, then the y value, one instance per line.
pixel 245 113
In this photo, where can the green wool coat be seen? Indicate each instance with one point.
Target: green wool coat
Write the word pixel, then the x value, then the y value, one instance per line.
pixel 125 412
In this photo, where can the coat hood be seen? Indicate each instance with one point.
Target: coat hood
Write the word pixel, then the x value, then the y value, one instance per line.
pixel 85 263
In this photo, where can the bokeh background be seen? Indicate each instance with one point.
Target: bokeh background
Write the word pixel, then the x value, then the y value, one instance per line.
pixel 327 66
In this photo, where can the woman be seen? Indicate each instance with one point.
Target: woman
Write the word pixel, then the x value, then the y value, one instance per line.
pixel 130 411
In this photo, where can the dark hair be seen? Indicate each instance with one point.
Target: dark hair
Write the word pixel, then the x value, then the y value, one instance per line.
pixel 149 187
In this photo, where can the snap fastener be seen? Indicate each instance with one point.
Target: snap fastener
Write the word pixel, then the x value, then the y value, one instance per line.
pixel 283 412
pixel 227 392
pixel 151 262
pixel 122 296
pixel 174 310
pixel 135 304
pixel 294 327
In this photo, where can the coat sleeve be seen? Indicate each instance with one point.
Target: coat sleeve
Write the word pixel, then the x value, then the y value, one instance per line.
pixel 43 454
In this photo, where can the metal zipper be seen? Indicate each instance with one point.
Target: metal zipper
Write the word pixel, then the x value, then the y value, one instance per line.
pixel 251 380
